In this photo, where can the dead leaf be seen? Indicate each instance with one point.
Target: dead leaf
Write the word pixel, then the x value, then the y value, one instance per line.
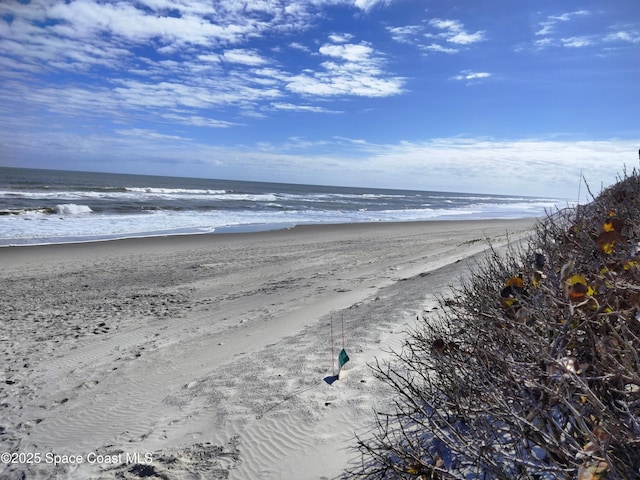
pixel 607 241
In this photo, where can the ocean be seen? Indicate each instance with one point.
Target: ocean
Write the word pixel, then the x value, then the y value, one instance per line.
pixel 53 206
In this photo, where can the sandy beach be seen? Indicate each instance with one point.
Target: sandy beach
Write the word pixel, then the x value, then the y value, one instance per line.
pixel 206 356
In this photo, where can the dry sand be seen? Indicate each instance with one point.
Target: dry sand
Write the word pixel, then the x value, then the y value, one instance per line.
pixel 205 356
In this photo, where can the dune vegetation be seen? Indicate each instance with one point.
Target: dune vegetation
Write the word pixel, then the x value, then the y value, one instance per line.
pixel 531 367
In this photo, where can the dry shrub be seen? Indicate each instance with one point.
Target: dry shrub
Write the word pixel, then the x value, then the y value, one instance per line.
pixel 532 371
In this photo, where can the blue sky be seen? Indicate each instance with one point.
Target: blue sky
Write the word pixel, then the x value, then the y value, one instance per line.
pixel 511 96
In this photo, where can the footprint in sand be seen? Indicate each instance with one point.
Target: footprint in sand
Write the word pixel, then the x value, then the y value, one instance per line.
pixel 88 384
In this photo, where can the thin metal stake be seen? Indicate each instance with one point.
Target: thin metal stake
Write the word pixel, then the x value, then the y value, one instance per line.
pixel 333 365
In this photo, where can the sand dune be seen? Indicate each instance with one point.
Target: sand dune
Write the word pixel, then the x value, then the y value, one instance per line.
pixel 205 356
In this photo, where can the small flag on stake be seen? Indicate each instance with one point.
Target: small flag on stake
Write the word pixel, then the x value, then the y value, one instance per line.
pixel 342 358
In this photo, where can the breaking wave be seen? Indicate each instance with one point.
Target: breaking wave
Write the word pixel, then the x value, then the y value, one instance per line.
pixel 72 209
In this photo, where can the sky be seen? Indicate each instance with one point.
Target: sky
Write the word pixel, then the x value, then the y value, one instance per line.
pixel 494 96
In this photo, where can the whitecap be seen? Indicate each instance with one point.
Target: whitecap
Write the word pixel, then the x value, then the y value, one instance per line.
pixel 72 209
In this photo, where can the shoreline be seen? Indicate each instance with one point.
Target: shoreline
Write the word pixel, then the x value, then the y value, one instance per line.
pixel 268 229
pixel 209 352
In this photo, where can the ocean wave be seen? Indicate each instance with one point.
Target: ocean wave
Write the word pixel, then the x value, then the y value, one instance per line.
pixel 142 194
pixel 178 191
pixel 30 188
pixel 489 198
pixel 60 194
pixel 26 211
pixel 71 225
pixel 72 209
pixel 61 209
pixel 133 192
pixel 132 199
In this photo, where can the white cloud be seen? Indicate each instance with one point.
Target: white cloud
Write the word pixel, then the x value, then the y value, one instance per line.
pixel 356 70
pixel 299 46
pixel 143 133
pixel 470 76
pixel 452 25
pixel 434 47
pixel 549 31
pixel 369 4
pixel 447 33
pixel 623 36
pixel 197 121
pixel 454 32
pixel 341 38
pixel 349 53
pixel 568 16
pixel 244 57
pixel 548 26
pixel 563 31
pixel 451 31
pixel 464 38
pixel 576 42
pixel 543 42
pixel 88 19
pixel 207 58
pixel 300 108
pixel 405 34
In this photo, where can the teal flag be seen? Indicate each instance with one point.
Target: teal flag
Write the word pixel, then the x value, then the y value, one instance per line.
pixel 343 358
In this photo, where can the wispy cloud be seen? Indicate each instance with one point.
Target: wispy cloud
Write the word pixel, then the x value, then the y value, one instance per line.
pixel 143 133
pixel 471 77
pixel 405 34
pixel 623 36
pixel 437 35
pixel 299 46
pixel 566 30
pixel 244 57
pixel 453 31
pixel 198 121
pixel 340 38
pixel 576 42
pixel 548 26
pixel 369 4
pixel 290 107
pixel 436 47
